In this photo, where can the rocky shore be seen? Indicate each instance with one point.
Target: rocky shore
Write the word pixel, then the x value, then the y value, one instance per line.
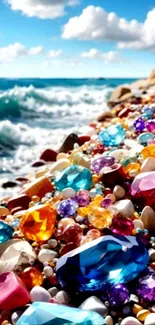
pixel 77 236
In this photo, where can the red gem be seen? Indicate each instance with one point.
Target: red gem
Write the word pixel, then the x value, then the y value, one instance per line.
pixel 67 248
pixel 113 175
pixel 49 155
pixel 83 139
pixel 122 226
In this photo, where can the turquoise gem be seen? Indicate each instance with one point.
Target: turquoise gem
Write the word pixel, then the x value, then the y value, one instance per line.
pixel 112 136
pixel 145 137
pixel 102 263
pixel 42 313
pixel 128 161
pixel 75 176
pixel 6 232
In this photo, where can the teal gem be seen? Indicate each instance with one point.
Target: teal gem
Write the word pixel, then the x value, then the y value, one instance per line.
pixel 6 232
pixel 42 313
pixel 75 176
pixel 145 137
pixel 102 263
pixel 112 136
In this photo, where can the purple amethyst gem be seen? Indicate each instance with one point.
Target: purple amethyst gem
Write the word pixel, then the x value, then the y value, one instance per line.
pixel 106 203
pixel 67 208
pixel 146 287
pixel 98 163
pixel 82 198
pixel 139 124
pixel 118 295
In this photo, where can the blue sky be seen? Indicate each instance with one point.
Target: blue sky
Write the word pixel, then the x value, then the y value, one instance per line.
pixel 77 38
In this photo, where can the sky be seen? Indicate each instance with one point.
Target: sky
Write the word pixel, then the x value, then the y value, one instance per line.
pixel 77 38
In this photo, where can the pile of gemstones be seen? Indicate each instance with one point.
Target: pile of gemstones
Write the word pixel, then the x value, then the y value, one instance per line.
pixel 77 242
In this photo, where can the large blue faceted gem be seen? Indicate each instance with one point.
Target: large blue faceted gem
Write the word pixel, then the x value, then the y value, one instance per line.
pixel 6 232
pixel 75 176
pixel 112 136
pixel 106 261
pixel 42 313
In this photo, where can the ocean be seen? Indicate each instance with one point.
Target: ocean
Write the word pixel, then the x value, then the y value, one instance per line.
pixel 36 114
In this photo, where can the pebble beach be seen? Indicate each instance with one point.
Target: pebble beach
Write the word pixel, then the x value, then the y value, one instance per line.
pixel 77 234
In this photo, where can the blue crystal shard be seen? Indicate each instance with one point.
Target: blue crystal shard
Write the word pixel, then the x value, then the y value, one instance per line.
pixel 75 176
pixel 6 232
pixel 41 313
pixel 106 261
pixel 112 136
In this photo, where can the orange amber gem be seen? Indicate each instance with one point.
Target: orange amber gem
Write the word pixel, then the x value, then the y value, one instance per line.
pixel 38 223
pixel 84 212
pixel 132 167
pixel 100 218
pixel 149 151
pixel 31 277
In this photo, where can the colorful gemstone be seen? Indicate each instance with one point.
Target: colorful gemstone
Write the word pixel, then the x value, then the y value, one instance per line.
pixel 145 137
pixel 13 292
pixel 112 136
pixel 67 208
pixel 118 295
pixel 76 177
pixel 38 222
pixel 132 167
pixel 6 232
pixel 41 313
pixel 106 203
pixel 98 163
pixel 31 277
pixel 122 226
pixel 100 217
pixel 113 175
pixel 148 151
pixel 105 261
pixel 150 125
pixel 83 198
pixel 143 189
pixel 139 125
pixel 146 287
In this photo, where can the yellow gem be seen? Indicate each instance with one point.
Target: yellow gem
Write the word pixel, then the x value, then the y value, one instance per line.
pixel 149 151
pixel 84 212
pixel 38 223
pixel 132 167
pixel 100 217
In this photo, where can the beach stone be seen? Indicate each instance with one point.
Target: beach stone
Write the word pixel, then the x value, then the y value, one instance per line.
pixel 148 165
pixel 60 165
pixel 69 142
pixel 138 224
pixel 80 159
pixel 109 320
pixel 15 253
pixel 117 94
pixel 130 321
pixel 4 211
pixel 142 314
pixel 13 292
pixel 48 155
pixel 68 193
pixel 9 184
pixel 21 200
pixel 52 243
pixel 104 116
pixel 39 294
pixel 48 271
pixel 46 255
pixel 82 139
pixel 41 172
pixel 152 254
pixel 39 187
pixel 125 208
pixel 94 304
pixel 38 163
pixel 148 218
pixel 63 297
pixel 53 291
pixel 119 192
pixel 150 319
pixel 119 154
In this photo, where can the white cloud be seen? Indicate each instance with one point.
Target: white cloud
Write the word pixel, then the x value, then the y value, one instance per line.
pixel 35 50
pixel 108 57
pixel 12 51
pixel 95 23
pixel 55 53
pixel 44 9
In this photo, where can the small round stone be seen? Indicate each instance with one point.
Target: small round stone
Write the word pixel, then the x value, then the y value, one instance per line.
pixel 131 321
pixel 48 271
pixel 67 208
pixel 109 320
pixel 53 291
pixel 46 255
pixel 39 294
pixel 68 193
pixel 150 319
pixel 52 243
pixel 138 224
pixel 62 297
pixel 119 192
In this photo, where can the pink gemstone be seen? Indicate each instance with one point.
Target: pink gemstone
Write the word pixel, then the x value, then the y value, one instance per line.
pixel 143 189
pixel 122 226
pixel 13 293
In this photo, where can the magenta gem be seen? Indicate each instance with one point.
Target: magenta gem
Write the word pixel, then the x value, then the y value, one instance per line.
pixel 122 226
pixel 98 163
pixel 106 203
pixel 118 295
pixel 150 125
pixel 83 198
pixel 146 287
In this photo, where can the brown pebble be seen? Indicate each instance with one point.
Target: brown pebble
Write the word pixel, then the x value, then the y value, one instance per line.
pixel 38 163
pixel 17 209
pixel 9 184
pixel 104 116
pixel 19 201
pixel 69 142
pixel 49 155
pixel 39 187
